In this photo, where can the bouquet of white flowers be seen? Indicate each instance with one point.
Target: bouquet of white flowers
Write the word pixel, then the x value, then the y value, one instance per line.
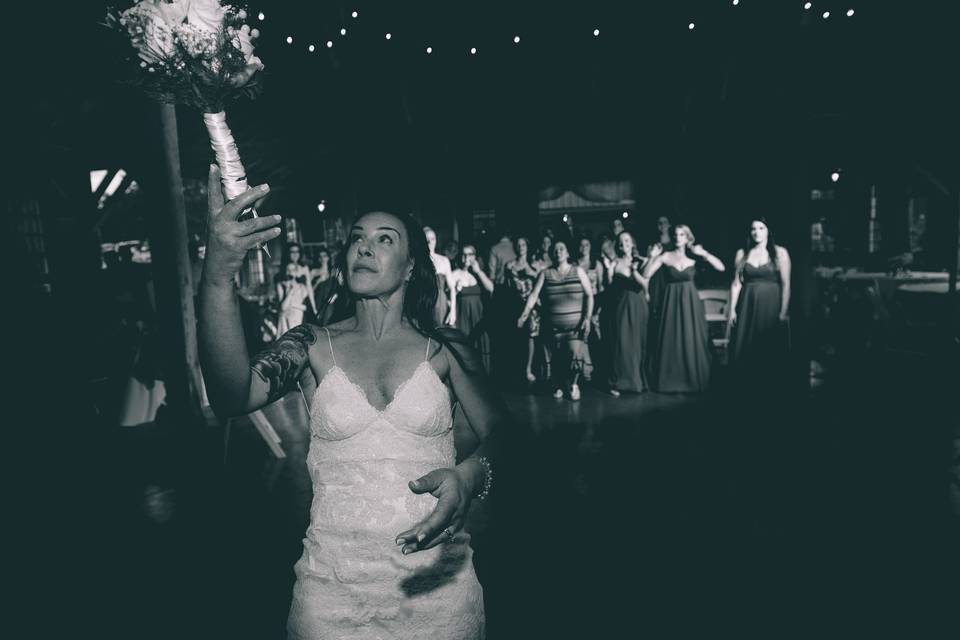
pixel 198 53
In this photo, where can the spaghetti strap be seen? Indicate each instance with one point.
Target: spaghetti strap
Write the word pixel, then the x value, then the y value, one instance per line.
pixel 330 342
pixel 426 356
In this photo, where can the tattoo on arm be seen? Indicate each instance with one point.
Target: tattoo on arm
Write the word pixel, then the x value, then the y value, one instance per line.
pixel 281 364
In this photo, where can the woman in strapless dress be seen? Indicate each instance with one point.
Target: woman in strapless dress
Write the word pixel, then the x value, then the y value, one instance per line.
pixel 385 554
pixel 680 350
pixel 759 306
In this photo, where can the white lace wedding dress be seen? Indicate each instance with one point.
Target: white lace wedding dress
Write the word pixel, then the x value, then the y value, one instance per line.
pixel 352 580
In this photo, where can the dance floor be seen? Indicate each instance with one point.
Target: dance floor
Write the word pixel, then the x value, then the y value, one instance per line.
pixel 656 516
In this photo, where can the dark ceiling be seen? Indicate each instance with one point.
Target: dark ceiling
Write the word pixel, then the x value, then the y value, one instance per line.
pixel 754 91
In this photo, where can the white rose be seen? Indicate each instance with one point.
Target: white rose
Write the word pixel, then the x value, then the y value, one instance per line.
pixel 243 40
pixel 206 14
pixel 173 12
pixel 149 31
pixel 246 42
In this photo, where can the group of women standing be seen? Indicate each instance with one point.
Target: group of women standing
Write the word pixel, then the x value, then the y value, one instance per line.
pixel 635 322
pixel 301 288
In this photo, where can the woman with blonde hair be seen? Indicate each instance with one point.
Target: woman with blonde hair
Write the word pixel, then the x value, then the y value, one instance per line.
pixel 680 352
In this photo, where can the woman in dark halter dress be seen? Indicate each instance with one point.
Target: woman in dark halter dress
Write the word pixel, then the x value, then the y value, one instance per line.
pixel 759 303
pixel 680 354
pixel 624 319
pixel 471 286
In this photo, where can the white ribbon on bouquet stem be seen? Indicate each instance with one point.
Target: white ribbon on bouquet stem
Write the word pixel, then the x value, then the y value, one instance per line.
pixel 232 174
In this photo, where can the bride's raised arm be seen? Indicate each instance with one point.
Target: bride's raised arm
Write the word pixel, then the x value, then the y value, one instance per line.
pixel 235 383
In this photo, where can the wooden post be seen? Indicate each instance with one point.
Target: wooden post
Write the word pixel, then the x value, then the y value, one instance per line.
pixel 955 253
pixel 180 265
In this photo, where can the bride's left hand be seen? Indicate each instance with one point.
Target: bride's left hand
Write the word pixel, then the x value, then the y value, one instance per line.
pixel 453 500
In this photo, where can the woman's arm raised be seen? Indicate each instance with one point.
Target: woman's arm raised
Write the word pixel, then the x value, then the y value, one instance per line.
pixel 232 387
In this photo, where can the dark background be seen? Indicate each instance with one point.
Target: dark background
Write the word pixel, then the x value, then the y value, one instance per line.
pixel 742 116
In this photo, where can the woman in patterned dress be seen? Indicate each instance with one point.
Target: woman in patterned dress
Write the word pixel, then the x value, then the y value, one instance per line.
pixel 567 310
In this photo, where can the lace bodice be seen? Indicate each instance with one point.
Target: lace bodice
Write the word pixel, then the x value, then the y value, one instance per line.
pixel 352 579
pixel 380 450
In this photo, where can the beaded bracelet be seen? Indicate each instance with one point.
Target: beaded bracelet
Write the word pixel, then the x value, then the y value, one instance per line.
pixel 488 477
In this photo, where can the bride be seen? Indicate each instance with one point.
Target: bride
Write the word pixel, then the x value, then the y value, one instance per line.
pixel 385 554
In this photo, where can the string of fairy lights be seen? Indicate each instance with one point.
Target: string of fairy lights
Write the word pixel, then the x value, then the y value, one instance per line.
pixel 428 47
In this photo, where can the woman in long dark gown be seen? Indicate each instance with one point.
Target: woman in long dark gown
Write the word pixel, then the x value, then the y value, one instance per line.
pixel 471 286
pixel 759 305
pixel 624 319
pixel 663 243
pixel 680 353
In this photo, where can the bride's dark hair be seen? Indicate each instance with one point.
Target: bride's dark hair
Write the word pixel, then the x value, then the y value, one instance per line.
pixel 420 300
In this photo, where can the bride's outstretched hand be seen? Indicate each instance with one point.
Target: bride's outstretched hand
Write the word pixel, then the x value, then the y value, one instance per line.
pixel 228 239
pixel 453 500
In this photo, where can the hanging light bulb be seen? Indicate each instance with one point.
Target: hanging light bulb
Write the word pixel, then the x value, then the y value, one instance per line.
pixel 429 50
pixel 835 176
pixel 849 13
pixel 329 44
pixel 260 16
pixel 691 26
pixel 322 206
pixel 808 6
pixel 388 36
pixel 826 14
pixel 516 39
pixel 289 39
pixel 343 31
pixel 354 14
pixel 736 2
pixel 596 32
pixel 625 214
pixel 311 48
pixel 473 51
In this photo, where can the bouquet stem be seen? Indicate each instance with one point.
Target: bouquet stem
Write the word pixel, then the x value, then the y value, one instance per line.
pixel 232 174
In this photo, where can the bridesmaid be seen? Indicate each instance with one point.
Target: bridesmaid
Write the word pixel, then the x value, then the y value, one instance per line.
pixel 567 309
pixel 759 303
pixel 664 242
pixel 523 276
pixel 469 287
pixel 322 280
pixel 294 290
pixel 625 318
pixel 594 270
pixel 680 355
pixel 542 257
pixel 441 264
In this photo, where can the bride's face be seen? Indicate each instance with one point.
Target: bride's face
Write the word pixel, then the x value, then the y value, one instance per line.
pixel 378 260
